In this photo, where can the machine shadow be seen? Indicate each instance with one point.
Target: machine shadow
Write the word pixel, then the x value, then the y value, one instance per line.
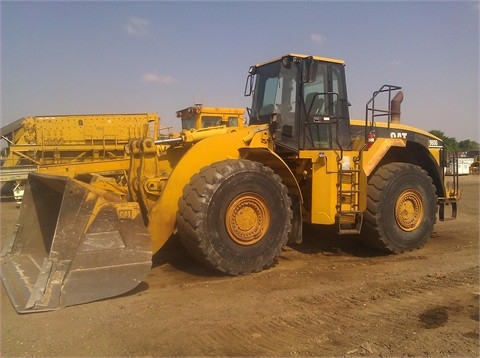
pixel 324 239
pixel 316 239
pixel 174 254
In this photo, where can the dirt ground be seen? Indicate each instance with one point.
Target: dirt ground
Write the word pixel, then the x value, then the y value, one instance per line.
pixel 329 296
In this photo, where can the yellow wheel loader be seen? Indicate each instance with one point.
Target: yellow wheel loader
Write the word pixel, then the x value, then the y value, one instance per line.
pixel 235 195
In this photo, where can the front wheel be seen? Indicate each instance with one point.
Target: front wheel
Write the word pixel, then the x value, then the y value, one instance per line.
pixel 235 216
pixel 401 208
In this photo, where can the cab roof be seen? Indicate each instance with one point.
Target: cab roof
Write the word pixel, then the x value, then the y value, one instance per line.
pixel 317 58
pixel 198 108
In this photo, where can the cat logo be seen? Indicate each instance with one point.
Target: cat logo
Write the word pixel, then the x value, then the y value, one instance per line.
pixel 398 135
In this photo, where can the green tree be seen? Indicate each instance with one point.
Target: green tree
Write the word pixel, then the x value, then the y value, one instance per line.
pixel 467 144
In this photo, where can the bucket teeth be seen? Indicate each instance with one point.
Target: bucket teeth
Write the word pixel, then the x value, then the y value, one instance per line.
pixel 74 243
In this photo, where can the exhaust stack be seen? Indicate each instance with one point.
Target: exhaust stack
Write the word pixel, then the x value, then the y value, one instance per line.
pixel 395 107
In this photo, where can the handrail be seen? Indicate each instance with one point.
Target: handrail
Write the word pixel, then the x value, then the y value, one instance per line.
pixel 374 112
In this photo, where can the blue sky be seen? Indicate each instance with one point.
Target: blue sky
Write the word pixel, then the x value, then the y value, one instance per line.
pixel 127 57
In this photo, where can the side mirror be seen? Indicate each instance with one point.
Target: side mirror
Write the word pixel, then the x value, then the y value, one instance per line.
pixel 249 86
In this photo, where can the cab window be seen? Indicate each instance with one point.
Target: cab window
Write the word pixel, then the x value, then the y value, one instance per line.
pixel 232 122
pixel 211 121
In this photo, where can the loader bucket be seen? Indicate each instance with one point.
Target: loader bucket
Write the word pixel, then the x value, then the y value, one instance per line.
pixel 74 243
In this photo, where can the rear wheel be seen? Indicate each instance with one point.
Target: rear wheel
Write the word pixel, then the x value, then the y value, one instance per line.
pixel 235 216
pixel 401 208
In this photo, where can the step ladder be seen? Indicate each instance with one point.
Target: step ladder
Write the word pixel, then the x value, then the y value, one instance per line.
pixel 348 218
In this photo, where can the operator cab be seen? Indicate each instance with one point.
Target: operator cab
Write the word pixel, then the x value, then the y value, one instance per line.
pixel 304 99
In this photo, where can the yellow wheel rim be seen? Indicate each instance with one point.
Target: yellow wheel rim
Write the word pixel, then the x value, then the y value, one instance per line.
pixel 247 219
pixel 409 210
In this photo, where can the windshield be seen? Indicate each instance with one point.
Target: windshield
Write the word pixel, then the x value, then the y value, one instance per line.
pixel 274 85
pixel 265 92
pixel 275 98
pixel 188 120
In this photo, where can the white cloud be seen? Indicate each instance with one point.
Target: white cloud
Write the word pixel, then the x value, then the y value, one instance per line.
pixel 138 26
pixel 394 63
pixel 317 38
pixel 152 77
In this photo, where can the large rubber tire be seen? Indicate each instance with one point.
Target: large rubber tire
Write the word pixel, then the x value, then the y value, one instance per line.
pixel 235 216
pixel 401 208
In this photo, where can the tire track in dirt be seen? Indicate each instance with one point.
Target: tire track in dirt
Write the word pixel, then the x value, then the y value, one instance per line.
pixel 404 312
pixel 319 317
